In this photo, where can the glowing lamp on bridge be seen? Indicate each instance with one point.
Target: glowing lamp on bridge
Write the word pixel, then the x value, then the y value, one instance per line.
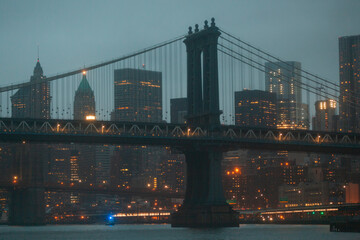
pixel 84 72
pixel 90 117
pixel 15 179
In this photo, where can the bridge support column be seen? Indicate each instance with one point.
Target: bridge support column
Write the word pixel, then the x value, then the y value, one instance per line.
pixel 27 206
pixel 27 198
pixel 204 204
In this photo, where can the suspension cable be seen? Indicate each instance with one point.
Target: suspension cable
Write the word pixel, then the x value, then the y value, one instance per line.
pixel 63 75
pixel 251 65
pixel 304 84
pixel 278 59
pixel 251 52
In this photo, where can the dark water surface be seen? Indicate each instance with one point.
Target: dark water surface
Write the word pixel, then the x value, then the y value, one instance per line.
pixel 149 232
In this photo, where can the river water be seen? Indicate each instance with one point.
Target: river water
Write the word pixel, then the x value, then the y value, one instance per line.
pixel 149 232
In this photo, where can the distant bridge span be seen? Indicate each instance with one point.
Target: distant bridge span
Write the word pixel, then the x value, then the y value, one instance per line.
pixel 94 190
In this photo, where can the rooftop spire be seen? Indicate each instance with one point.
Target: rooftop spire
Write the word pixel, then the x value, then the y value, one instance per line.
pixel 38 71
pixel 84 86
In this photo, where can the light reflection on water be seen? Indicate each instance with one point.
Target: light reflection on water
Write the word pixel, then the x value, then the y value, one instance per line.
pixel 149 232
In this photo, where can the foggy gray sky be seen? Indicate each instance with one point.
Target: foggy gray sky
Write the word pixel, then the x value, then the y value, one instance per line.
pixel 73 33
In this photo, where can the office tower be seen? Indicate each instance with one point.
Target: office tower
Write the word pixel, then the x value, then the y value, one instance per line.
pixel 284 79
pixel 59 167
pixel 349 99
pixel 178 110
pixel 103 156
pixel 58 173
pixel 121 167
pixel 74 166
pixel 94 161
pixel 138 95
pixel 32 101
pixel 84 109
pixel 235 187
pixel 84 102
pixel 255 108
pixel 138 98
pixel 292 174
pixel 324 119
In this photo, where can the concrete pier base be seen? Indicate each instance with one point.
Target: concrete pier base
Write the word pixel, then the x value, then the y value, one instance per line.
pixel 27 202
pixel 204 204
pixel 205 217
pixel 27 207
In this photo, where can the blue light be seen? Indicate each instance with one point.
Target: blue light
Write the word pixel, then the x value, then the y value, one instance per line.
pixel 110 218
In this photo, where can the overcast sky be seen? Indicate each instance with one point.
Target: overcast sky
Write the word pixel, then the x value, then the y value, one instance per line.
pixel 77 32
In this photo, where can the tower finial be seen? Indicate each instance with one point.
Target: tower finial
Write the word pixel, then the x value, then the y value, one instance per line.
pixel 196 27
pixel 213 22
pixel 38 53
pixel 206 26
pixel 190 30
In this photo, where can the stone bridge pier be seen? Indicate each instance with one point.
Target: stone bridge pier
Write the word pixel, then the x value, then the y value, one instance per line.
pixel 27 196
pixel 204 204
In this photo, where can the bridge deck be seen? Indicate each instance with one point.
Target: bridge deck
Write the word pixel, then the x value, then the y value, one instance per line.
pixel 164 134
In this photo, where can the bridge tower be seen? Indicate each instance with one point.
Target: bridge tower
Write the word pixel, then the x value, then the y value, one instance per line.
pixel 204 204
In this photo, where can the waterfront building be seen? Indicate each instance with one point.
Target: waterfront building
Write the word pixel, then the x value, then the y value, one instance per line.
pixel 304 194
pixel 172 175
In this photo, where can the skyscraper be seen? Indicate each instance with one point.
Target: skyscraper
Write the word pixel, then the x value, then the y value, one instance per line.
pixel 84 102
pixel 255 108
pixel 103 157
pixel 138 95
pixel 349 99
pixel 84 107
pixel 324 119
pixel 32 101
pixel 138 98
pixel 284 78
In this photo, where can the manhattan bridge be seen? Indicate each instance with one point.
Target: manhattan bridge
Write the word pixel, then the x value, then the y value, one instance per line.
pixel 207 66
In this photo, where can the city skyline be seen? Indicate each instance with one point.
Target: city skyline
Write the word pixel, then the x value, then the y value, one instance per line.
pixel 316 51
pixel 121 129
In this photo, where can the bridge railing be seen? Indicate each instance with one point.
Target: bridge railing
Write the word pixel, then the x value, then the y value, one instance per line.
pixel 161 130
pixel 291 135
pixel 99 127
